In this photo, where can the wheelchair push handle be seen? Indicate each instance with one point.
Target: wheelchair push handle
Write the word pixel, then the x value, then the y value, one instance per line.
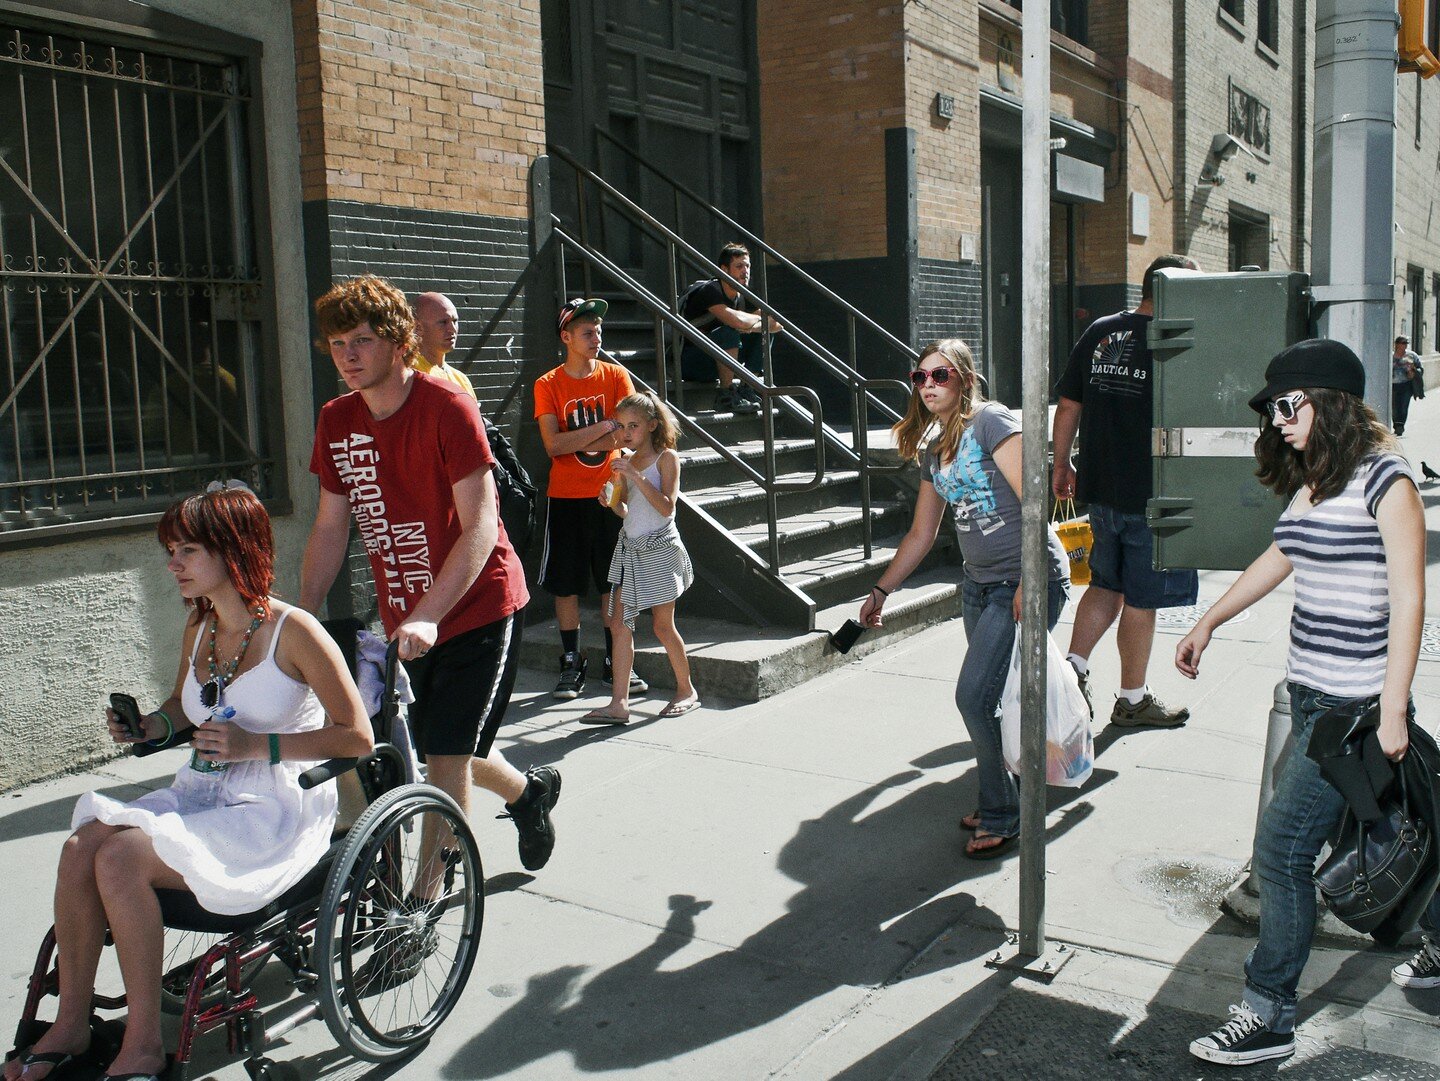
pixel 389 708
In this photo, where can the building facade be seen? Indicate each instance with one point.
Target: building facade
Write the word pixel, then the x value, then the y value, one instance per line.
pixel 185 176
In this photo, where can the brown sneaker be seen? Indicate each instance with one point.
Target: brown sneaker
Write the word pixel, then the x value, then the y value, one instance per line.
pixel 1149 712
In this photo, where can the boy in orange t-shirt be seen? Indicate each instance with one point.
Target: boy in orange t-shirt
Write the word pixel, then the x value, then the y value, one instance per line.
pixel 573 405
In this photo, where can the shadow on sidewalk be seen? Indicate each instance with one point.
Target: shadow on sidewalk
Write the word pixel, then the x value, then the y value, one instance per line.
pixel 878 889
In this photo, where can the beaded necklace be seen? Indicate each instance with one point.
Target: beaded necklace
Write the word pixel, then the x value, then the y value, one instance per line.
pixel 222 678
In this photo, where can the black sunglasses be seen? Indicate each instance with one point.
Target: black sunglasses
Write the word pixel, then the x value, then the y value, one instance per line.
pixel 939 376
pixel 210 693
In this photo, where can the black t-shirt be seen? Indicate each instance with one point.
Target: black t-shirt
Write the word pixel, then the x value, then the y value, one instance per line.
pixel 698 304
pixel 1109 374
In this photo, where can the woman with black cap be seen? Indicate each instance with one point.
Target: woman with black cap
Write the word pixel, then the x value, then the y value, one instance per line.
pixel 1353 535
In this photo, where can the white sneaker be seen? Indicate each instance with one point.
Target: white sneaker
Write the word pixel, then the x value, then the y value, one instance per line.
pixel 1242 1040
pixel 1422 970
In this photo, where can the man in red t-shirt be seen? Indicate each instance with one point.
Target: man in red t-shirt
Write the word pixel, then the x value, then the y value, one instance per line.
pixel 575 406
pixel 406 455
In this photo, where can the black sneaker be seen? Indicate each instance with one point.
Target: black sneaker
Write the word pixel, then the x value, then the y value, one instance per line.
pixel 397 960
pixel 1242 1040
pixel 531 815
pixel 1422 970
pixel 637 685
pixel 572 676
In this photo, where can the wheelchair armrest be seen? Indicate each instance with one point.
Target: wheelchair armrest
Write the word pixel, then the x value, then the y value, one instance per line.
pixel 328 771
pixel 141 750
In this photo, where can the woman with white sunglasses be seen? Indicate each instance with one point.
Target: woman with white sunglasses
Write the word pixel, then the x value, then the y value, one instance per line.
pixel 1353 535
pixel 969 453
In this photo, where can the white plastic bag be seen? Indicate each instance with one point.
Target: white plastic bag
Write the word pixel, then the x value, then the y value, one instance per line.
pixel 1069 745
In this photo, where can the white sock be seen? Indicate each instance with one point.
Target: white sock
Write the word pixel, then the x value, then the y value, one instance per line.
pixel 1136 696
pixel 1079 663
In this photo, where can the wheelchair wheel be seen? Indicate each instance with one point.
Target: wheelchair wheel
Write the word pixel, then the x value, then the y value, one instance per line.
pixel 182 950
pixel 392 967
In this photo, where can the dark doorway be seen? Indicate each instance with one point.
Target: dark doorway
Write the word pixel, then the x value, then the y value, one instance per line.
pixel 671 80
pixel 1000 209
pixel 1249 239
pixel 1415 282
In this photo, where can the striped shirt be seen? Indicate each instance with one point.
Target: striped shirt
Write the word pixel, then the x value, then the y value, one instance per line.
pixel 1340 627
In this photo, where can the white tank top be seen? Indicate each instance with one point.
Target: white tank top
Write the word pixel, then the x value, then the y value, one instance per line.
pixel 264 698
pixel 640 517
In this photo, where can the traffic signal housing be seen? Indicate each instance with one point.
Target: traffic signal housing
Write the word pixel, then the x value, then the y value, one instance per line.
pixel 1419 42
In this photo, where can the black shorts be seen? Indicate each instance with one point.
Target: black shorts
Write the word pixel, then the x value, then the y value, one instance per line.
pixel 580 539
pixel 462 687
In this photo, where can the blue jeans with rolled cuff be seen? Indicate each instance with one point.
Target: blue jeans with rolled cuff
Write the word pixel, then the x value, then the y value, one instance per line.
pixel 1302 816
pixel 990 629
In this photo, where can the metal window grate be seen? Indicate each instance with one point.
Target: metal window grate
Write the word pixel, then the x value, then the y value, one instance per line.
pixel 129 285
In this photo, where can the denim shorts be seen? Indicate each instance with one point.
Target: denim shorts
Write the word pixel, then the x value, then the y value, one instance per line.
pixel 1120 561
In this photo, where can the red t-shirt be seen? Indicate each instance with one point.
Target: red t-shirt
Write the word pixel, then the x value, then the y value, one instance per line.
pixel 398 474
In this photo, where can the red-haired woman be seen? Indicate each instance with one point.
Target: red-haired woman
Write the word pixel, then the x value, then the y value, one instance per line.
pixel 257 679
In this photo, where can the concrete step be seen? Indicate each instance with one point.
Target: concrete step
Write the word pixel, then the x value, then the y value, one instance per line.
pixel 744 663
pixel 820 532
pixel 743 504
pixel 846 575
pixel 706 468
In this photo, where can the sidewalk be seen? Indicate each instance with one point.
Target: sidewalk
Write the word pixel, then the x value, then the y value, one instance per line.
pixel 776 890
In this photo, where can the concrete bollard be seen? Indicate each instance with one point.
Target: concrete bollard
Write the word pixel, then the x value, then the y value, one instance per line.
pixel 1279 742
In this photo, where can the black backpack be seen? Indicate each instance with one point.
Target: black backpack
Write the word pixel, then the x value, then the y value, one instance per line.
pixel 516 489
pixel 695 366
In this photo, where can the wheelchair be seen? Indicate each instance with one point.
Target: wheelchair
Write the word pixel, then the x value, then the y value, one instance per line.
pixel 383 969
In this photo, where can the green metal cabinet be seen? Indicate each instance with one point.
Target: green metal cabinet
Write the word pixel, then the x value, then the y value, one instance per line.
pixel 1212 336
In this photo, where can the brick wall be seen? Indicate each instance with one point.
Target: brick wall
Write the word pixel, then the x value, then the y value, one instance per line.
pixel 1417 241
pixel 430 104
pixel 420 122
pixel 831 83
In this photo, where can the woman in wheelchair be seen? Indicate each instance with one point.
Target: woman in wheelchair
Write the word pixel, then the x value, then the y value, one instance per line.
pixel 257 679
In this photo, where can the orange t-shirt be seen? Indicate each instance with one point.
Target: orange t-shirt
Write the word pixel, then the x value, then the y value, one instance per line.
pixel 579 403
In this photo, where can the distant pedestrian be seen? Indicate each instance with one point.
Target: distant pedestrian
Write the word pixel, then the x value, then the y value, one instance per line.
pixel 650 568
pixel 1403 366
pixel 723 313
pixel 969 453
pixel 1105 393
pixel 1353 535
pixel 575 408
pixel 437 322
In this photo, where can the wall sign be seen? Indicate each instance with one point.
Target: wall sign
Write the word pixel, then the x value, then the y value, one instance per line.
pixel 1249 119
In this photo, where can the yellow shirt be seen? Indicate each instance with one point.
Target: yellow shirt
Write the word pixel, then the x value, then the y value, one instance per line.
pixel 445 371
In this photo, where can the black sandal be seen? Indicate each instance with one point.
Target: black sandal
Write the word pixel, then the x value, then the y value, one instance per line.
pixel 989 852
pixel 971 822
pixel 58 1061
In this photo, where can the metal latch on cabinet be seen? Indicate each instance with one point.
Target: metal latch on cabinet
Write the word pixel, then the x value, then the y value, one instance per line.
pixel 1202 442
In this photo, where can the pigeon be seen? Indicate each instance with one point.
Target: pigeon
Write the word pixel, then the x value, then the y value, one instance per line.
pixel 1428 473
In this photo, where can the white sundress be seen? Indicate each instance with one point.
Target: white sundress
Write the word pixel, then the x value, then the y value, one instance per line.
pixel 242 837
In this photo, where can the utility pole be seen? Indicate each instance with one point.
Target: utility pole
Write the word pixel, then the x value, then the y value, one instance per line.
pixel 1354 222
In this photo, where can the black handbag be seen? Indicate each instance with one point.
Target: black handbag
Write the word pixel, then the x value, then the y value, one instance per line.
pixel 1374 864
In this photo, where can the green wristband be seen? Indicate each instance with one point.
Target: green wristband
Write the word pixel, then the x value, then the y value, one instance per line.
pixel 162 741
pixel 274 748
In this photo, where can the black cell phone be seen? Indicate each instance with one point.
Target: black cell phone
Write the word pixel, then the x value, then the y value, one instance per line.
pixel 847 635
pixel 128 711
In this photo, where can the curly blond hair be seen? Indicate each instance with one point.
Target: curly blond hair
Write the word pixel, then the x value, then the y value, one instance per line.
pixel 368 299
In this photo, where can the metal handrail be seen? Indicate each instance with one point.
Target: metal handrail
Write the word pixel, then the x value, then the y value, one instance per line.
pixel 771 485
pixel 750 238
pixel 641 217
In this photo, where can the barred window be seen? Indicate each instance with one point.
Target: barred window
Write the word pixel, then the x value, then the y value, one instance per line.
pixel 130 285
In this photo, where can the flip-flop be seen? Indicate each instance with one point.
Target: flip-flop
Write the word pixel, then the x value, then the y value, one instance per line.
pixel 971 821
pixel 675 709
pixel 130 1077
pixel 989 852
pixel 599 716
pixel 58 1061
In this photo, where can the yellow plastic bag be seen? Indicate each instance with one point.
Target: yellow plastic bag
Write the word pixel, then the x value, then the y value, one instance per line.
pixel 1077 537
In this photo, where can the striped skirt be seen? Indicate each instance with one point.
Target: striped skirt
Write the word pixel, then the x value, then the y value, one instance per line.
pixel 650 569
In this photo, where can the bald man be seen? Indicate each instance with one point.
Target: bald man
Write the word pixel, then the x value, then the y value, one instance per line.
pixel 439 325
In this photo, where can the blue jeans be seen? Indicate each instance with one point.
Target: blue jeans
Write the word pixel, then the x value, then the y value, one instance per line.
pixel 988 611
pixel 1302 816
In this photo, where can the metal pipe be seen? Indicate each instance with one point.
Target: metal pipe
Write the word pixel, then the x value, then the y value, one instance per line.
pixel 1354 242
pixel 1034 569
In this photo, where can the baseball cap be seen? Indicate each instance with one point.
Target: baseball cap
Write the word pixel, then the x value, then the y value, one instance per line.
pixel 580 306
pixel 1315 362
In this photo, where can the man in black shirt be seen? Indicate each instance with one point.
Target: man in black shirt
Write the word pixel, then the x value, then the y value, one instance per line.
pixel 1105 393
pixel 718 309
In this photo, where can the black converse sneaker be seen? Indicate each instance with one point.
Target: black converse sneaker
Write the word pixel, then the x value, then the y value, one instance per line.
pixel 1242 1040
pixel 1422 970
pixel 572 677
